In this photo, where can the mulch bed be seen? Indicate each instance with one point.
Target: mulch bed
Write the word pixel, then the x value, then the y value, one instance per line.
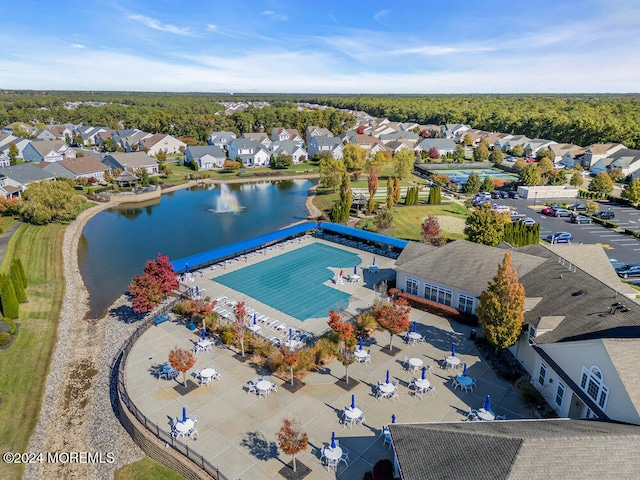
pixel 240 358
pixel 297 385
pixel 182 390
pixel 392 353
pixel 347 386
pixel 503 363
pixel 12 338
pixel 301 471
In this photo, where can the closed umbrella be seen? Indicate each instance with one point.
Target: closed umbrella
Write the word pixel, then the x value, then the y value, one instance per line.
pixel 360 343
pixel 254 318
pixel 393 418
pixel 487 403
pixel 184 414
pixel 186 268
pixel 424 373
pixel 464 370
pixel 415 327
pixel 387 376
pixel 197 291
pixel 290 335
pixel 333 439
pixel 204 333
pixel 353 401
pixel 453 349
pixel 341 272
pixel 374 260
pixel 355 269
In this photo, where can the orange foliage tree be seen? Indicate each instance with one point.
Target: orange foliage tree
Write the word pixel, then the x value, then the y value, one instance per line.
pixel 290 357
pixel 182 360
pixel 347 340
pixel 240 313
pixel 292 439
pixel 394 317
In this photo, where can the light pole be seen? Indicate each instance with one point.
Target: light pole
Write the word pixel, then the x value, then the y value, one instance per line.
pixel 535 200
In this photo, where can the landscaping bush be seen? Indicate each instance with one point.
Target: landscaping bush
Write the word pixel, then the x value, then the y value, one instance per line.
pixel 226 334
pixel 532 396
pixel 7 325
pixel 324 349
pixel 4 338
pixel 306 361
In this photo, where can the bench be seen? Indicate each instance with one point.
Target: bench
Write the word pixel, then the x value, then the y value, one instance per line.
pixel 161 319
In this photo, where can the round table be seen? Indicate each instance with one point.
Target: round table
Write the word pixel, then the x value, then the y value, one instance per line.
pixel 415 363
pixel 465 381
pixel 184 427
pixel 353 413
pixel 354 278
pixel 422 384
pixel 453 361
pixel 361 354
pixel 333 453
pixel 207 373
pixel 386 387
pixel 485 415
pixel 415 336
pixel 264 385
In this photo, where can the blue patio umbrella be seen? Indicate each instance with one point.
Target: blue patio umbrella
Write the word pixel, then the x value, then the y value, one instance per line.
pixel 353 401
pixel 424 373
pixel 393 418
pixel 387 376
pixel 487 403
pixel 204 333
pixel 360 343
pixel 355 269
pixel 184 414
pixel 186 268
pixel 290 335
pixel 333 439
pixel 415 327
pixel 254 318
pixel 197 291
pixel 453 349
pixel 464 370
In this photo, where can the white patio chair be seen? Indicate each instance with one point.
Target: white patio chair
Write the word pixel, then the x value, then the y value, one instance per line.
pixel 280 327
pixel 394 395
pixel 193 434
pixel 367 359
pixel 432 390
pixel 405 363
pixel 344 458
pixel 472 415
pixel 271 323
pixel 262 393
pixel 251 388
pixel 455 383
pixel 360 420
pixel 274 387
pixel 193 417
pixel 501 417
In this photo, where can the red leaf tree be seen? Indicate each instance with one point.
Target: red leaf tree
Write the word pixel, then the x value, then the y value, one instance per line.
pixel 430 229
pixel 240 313
pixel 162 271
pixel 372 183
pixel 347 340
pixel 291 439
pixel 394 318
pixel 290 357
pixel 434 153
pixel 182 360
pixel 153 286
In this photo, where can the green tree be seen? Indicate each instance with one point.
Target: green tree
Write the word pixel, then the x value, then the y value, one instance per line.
pixel 13 153
pixel 544 153
pixel 530 175
pixel 558 177
pixel 16 279
pixel 481 153
pixel 602 183
pixel 354 157
pixel 458 154
pixel 576 179
pixel 331 171
pixel 384 219
pixel 473 184
pixel 519 164
pixel 340 210
pixel 501 306
pixel 518 151
pixel 485 225
pixel 8 299
pixel 403 162
pixel 487 184
pixel 545 165
pixel 496 156
pixel 467 141
pixel 23 275
pixel 161 156
pixel 412 196
pixel 632 192
pixel 616 174
pixel 434 195
pixel 592 207
pixel 50 201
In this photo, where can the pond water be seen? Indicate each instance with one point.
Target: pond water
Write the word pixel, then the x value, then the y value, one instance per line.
pixel 116 243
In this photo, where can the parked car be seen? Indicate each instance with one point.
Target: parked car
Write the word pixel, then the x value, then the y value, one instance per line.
pixel 616 264
pixel 632 270
pixel 513 194
pixel 501 208
pixel 559 237
pixel 578 207
pixel 580 219
pixel 605 215
pixel 515 216
pixel 528 221
pixel 504 194
pixel 530 160
pixel 495 194
pixel 547 211
pixel 485 195
pixel 561 212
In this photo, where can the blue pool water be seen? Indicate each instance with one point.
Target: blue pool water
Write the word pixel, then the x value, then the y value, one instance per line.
pixel 293 282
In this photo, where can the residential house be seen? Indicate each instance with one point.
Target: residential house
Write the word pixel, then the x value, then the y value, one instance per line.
pixel 250 152
pixel 14 179
pixel 396 145
pixel 6 141
pixel 169 144
pixel 19 127
pixel 83 167
pixel 559 149
pixel 497 140
pixel 132 161
pixel 322 144
pixel 408 126
pixel 371 144
pixel 534 145
pixel 313 131
pixel 89 135
pixel 128 139
pixel 515 450
pixel 208 157
pixel 383 129
pixel 627 159
pixel 582 325
pixel 515 140
pixel 291 148
pixel 48 134
pixel 47 151
pixel 573 157
pixel 221 139
pixel 597 151
pixel 475 135
pixel 443 145
pixel 5 160
pixel 259 137
pixel 399 135
pixel 601 165
pixel 279 134
pixel 455 131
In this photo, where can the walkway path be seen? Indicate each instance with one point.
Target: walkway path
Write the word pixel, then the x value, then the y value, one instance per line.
pixel 6 236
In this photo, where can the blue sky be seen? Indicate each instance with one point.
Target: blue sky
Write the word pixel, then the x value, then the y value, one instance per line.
pixel 492 46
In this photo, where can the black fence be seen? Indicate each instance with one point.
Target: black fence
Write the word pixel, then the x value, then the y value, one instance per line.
pixel 162 435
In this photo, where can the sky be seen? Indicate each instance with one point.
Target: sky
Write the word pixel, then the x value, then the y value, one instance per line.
pixel 309 46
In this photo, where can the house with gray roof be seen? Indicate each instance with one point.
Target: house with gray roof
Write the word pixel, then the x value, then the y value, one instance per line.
pixel 291 148
pixel 627 159
pixel 443 145
pixel 47 151
pixel 90 135
pixel 206 157
pixel 131 161
pixel 14 179
pixel 533 146
pixel 582 324
pixel 259 137
pixel 323 144
pixel 516 450
pixel 221 139
pixel 455 130
pixel 313 131
pixel 399 135
pixel 248 151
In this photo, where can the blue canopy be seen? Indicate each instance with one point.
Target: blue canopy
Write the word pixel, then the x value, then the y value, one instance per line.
pixel 363 234
pixel 210 257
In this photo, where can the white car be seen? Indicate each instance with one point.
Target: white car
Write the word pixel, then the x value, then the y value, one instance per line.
pixel 528 221
pixel 501 208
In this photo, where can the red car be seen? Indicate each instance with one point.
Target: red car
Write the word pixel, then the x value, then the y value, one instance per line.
pixel 547 211
pixel 530 160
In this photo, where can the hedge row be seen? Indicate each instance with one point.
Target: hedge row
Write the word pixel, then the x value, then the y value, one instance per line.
pixel 632 233
pixel 592 195
pixel 436 308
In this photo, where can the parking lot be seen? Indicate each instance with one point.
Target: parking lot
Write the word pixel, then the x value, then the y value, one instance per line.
pixel 617 245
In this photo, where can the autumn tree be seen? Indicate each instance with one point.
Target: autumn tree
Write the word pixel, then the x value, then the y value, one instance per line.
pixel 162 271
pixel 240 312
pixel 486 226
pixel 291 439
pixel 592 207
pixel 354 157
pixel 430 229
pixel 50 201
pixel 545 165
pixel 496 156
pixel 182 360
pixel 602 183
pixel 631 192
pixel 501 306
pixel 530 175
pixel 481 153
pixel 616 174
pixel 394 317
pixel 434 153
pixel 372 184
pixel 390 193
pixel 545 153
pixel 290 357
pixel 403 162
pixel 576 179
pixel 151 288
pixel 396 190
pixel 331 171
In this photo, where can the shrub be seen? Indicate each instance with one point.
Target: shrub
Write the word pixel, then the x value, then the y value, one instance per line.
pixel 305 362
pixel 532 396
pixel 365 324
pixel 12 325
pixel 226 334
pixel 4 338
pixel 275 362
pixel 324 349
pixel 436 308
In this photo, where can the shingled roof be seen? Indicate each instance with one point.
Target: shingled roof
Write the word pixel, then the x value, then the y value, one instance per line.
pixel 517 449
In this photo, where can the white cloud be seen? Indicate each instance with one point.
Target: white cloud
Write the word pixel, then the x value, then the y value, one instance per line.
pixel 77 45
pixel 270 14
pixel 381 15
pixel 210 27
pixel 158 25
pixel 435 50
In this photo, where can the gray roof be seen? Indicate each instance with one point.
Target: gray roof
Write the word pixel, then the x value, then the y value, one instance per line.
pixel 288 147
pixel 25 173
pixel 623 353
pixel 439 143
pixel 625 157
pixel 45 146
pixel 398 135
pixel 199 152
pixel 130 160
pixel 517 449
pixel 215 135
pixel 322 140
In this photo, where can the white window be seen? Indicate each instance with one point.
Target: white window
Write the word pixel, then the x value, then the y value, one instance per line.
pixel 592 384
pixel 560 394
pixel 411 286
pixel 542 375
pixel 465 303
pixel 437 294
pixel 532 334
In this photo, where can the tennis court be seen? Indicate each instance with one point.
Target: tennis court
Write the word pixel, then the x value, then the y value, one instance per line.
pixel 293 282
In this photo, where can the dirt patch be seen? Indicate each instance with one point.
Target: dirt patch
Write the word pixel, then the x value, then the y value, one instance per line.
pixel 80 380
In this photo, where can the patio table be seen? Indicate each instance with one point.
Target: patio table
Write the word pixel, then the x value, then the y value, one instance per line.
pixel 465 382
pixel 353 413
pixel 255 328
pixel 415 363
pixel 386 387
pixel 422 384
pixel 354 278
pixel 415 337
pixel 264 385
pixel 207 373
pixel 185 427
pixel 486 415
pixel 360 354
pixel 452 361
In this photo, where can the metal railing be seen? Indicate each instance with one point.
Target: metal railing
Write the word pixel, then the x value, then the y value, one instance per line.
pixel 120 360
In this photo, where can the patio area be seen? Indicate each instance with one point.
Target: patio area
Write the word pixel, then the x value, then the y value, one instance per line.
pixel 236 429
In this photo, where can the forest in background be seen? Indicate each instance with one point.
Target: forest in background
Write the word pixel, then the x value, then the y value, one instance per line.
pixel 579 119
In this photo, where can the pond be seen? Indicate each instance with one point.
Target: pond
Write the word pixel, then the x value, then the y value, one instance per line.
pixel 116 243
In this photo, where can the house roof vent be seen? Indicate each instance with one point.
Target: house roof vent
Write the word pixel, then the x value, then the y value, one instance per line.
pixel 579 293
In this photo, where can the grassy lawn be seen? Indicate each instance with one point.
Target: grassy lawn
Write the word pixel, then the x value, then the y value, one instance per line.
pixel 408 220
pixel 24 366
pixel 146 469
pixel 7 223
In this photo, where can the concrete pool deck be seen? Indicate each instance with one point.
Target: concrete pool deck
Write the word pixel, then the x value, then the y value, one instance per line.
pixel 237 429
